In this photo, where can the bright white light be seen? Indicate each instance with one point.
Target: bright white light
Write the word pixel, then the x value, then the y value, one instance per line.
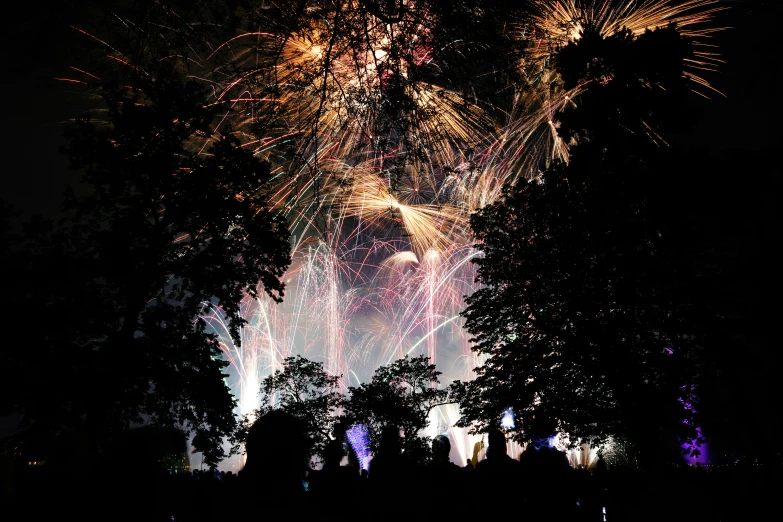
pixel 507 422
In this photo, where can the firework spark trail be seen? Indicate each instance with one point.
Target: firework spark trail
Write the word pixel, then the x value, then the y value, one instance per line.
pixel 332 85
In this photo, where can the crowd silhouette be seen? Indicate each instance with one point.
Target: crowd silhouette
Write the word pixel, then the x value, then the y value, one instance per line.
pixel 279 482
pixel 277 476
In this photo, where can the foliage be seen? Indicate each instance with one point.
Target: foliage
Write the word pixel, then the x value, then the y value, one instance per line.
pixel 157 231
pixel 303 389
pixel 633 88
pixel 401 394
pixel 579 315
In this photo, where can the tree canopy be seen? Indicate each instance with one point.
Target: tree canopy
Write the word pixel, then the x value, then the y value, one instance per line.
pixel 303 389
pixel 157 232
pixel 579 314
pixel 401 394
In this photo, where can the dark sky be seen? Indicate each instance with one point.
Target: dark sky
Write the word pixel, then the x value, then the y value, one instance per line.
pixel 39 46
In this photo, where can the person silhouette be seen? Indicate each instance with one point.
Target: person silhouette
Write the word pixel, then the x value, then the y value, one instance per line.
pixel 442 473
pixel 497 476
pixel 389 471
pixel 386 463
pixel 277 452
pixel 333 481
pixel 547 476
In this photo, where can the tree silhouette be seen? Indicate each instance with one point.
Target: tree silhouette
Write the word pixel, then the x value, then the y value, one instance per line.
pixel 579 315
pixel 303 389
pixel 633 89
pixel 401 394
pixel 158 232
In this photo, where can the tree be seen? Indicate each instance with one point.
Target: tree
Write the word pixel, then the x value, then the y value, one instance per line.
pixel 401 394
pixel 303 389
pixel 633 90
pixel 579 316
pixel 157 232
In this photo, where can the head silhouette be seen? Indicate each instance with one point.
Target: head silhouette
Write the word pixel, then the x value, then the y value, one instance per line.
pixel 390 443
pixel 276 446
pixel 497 443
pixel 441 447
pixel 541 427
pixel 333 453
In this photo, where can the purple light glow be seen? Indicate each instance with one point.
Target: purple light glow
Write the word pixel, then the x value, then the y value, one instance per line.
pixel 360 443
pixel 704 456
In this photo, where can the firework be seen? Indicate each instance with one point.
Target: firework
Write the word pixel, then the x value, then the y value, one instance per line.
pixel 378 200
pixel 331 82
